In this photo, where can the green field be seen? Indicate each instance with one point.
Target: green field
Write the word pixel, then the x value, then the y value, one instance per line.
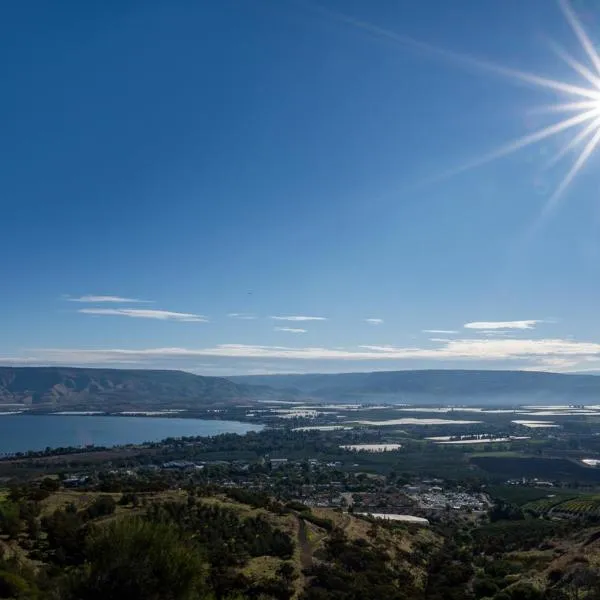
pixel 497 454
pixel 518 494
pixel 552 469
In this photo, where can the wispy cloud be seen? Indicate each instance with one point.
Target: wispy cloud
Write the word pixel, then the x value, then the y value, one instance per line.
pixel 440 331
pixel 525 324
pixel 374 321
pixel 462 349
pixel 242 316
pixel 290 329
pixel 553 363
pixel 375 348
pixel 298 318
pixel 493 332
pixel 90 299
pixel 161 315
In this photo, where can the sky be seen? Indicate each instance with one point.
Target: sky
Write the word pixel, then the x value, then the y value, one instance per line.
pixel 275 186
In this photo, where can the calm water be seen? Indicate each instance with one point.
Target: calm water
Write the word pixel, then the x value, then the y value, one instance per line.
pixel 19 433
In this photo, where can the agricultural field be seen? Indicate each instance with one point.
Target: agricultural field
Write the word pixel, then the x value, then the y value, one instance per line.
pixel 518 494
pixel 544 506
pixel 582 506
pixel 550 469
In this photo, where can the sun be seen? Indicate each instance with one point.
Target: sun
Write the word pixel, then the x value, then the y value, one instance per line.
pixel 581 109
pixel 579 104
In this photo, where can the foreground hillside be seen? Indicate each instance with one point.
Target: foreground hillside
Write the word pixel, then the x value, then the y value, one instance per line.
pixel 211 544
pixel 111 389
pixel 439 386
pixel 199 546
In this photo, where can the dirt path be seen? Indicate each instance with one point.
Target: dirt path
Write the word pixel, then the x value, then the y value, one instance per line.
pixel 304 545
pixel 347 519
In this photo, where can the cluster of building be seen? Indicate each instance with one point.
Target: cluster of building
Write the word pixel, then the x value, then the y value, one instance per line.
pixel 535 482
pixel 436 498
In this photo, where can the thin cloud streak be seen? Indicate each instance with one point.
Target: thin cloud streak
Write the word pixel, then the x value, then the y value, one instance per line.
pixel 461 349
pixel 242 316
pixel 298 318
pixel 493 332
pixel 91 299
pixel 161 315
pixel 490 325
pixel 374 321
pixel 440 331
pixel 290 329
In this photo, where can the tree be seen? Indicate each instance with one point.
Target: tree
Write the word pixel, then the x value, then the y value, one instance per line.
pixel 10 521
pixel 132 559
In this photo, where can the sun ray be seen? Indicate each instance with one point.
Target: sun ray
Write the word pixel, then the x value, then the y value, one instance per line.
pixel 523 142
pixel 565 107
pixel 581 160
pixel 575 65
pixel 584 102
pixel 464 59
pixel 558 86
pixel 580 137
pixel 580 33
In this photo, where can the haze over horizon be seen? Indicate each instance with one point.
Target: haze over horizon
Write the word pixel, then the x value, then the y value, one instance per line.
pixel 291 187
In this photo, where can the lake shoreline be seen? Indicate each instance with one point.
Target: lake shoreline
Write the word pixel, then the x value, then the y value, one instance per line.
pixel 29 432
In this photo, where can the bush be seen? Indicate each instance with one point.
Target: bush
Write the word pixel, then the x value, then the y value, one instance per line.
pixel 326 524
pixel 129 498
pixel 50 485
pixel 295 505
pixel 102 506
pixel 14 586
pixel 483 588
pixel 524 591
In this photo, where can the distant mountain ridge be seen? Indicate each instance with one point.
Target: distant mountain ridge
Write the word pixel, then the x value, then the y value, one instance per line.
pixel 112 389
pixel 64 388
pixel 439 386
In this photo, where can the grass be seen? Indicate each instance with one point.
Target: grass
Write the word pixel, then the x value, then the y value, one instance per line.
pixel 261 567
pixel 59 500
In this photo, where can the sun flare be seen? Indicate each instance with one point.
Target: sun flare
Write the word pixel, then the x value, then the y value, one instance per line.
pixel 578 105
pixel 581 110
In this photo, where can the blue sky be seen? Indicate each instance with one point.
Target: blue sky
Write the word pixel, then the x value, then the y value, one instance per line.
pixel 291 159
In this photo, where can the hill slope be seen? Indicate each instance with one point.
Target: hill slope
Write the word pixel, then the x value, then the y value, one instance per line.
pixel 109 389
pixel 439 386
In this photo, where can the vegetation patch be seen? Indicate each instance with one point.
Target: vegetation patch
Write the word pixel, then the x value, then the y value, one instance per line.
pixel 544 468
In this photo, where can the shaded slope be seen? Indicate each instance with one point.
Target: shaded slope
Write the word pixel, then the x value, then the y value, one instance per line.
pixel 60 387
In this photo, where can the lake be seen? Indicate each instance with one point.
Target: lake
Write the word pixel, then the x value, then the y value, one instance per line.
pixel 19 433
